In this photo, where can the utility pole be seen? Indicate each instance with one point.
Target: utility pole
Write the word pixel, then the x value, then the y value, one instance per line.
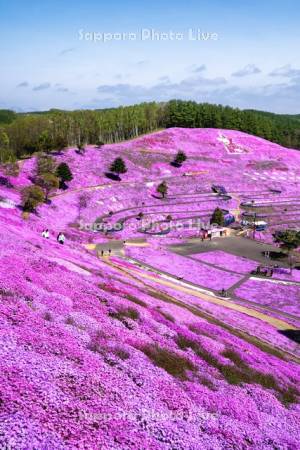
pixel 254 225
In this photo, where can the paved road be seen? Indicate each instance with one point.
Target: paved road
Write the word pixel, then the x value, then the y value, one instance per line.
pixel 236 245
pixel 117 246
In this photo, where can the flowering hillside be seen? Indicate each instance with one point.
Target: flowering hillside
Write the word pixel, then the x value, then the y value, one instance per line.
pixel 135 348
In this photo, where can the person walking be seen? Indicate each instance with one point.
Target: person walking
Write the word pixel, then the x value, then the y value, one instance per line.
pixel 45 234
pixel 61 238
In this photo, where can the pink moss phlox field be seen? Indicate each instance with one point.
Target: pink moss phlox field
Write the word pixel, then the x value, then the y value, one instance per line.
pixel 95 356
pixel 193 271
pixel 281 296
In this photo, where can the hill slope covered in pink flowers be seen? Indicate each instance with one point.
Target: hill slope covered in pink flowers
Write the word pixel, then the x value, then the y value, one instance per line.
pixel 98 353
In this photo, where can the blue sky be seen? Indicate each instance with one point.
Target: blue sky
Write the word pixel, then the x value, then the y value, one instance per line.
pixel 247 55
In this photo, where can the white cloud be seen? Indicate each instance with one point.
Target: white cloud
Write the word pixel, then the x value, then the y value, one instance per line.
pixel 285 71
pixel 41 87
pixel 66 51
pixel 125 93
pixel 199 69
pixel 23 84
pixel 249 69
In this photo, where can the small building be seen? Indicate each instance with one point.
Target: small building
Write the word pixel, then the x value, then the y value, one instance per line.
pixel 260 225
pixel 228 219
pixel 213 232
pixel 217 232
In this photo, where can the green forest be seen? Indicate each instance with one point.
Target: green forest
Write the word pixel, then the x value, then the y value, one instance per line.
pixel 22 134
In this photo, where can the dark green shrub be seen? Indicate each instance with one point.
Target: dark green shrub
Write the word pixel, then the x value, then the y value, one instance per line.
pixel 32 196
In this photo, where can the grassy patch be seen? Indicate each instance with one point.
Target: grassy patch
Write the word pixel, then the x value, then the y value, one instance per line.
pixel 263 346
pixel 93 346
pixel 136 300
pixel 121 353
pixel 239 372
pixel 235 358
pixel 160 295
pixel 171 362
pixel 184 342
pixel 206 382
pixel 107 288
pixel 289 396
pixel 245 373
pixel 196 330
pixel 128 313
pixel 167 316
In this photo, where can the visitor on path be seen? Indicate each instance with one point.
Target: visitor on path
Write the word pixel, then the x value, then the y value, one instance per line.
pixel 61 238
pixel 109 251
pixel 102 252
pixel 45 234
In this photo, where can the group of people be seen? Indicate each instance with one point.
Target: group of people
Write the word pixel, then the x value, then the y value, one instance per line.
pixel 223 293
pixel 204 234
pixel 60 237
pixel 109 252
pixel 265 271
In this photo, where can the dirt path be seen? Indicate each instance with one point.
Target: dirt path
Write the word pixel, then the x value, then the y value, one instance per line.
pixel 232 297
pixel 263 345
pixel 167 280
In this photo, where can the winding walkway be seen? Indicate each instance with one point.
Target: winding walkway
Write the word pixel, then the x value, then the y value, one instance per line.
pixel 195 290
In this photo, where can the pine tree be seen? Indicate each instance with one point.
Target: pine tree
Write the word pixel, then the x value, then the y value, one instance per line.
pixel 45 142
pixel 217 217
pixel 162 189
pixel 81 149
pixel 288 240
pixel 64 173
pixel 4 139
pixel 118 166
pixel 179 158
